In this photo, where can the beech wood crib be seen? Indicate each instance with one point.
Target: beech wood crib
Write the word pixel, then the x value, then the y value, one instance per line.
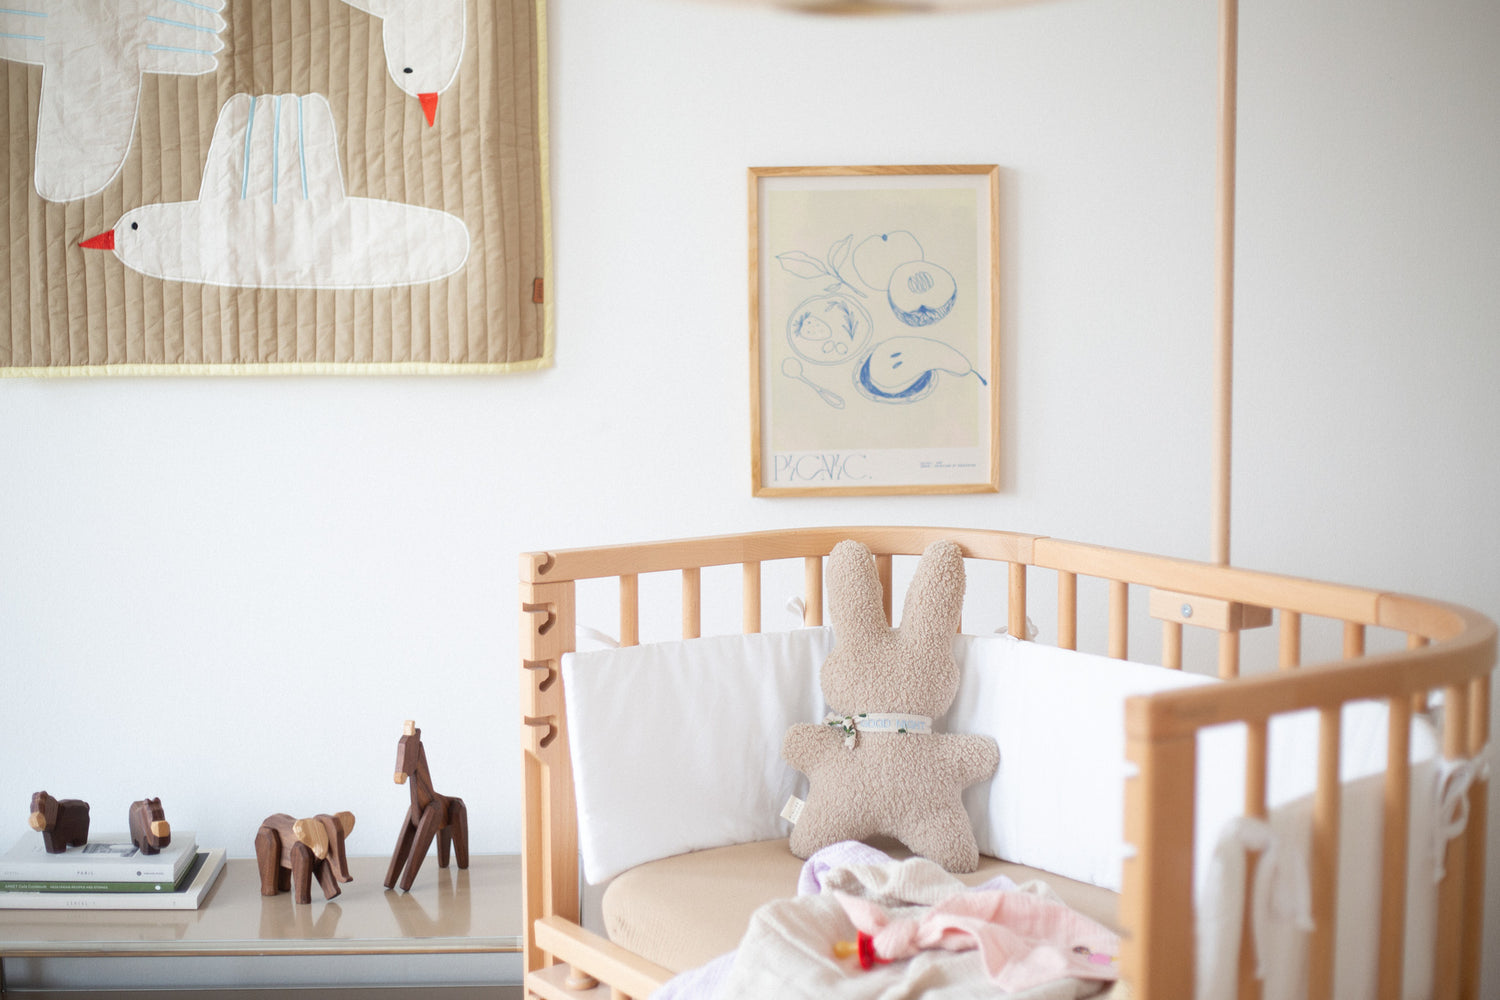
pixel 1420 649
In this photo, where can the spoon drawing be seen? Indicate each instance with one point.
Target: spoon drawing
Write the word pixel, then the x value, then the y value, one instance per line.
pixel 792 368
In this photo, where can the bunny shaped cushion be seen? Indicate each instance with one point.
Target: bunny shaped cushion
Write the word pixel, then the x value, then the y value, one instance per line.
pixel 875 766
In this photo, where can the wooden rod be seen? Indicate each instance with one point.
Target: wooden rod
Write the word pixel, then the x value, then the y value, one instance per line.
pixel 1229 27
pixel 1354 640
pixel 1017 608
pixel 1395 834
pixel 812 591
pixel 1171 645
pixel 1325 857
pixel 883 571
pixel 1229 655
pixel 1067 610
pixel 1119 619
pixel 630 610
pixel 692 602
pixel 1257 757
pixel 750 596
pixel 1291 640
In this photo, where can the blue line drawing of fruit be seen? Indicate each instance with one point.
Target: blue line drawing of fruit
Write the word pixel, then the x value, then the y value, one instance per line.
pixel 921 293
pixel 905 369
pixel 877 257
pixel 828 329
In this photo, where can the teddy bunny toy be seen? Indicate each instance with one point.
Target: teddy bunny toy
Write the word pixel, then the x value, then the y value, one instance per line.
pixel 875 766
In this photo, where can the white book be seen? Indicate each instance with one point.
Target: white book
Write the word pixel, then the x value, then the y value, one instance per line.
pixel 107 857
pixel 201 875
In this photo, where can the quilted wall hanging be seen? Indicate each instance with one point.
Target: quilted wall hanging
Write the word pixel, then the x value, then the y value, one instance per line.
pixel 274 186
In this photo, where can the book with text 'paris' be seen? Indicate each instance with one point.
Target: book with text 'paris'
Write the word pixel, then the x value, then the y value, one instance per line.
pixel 188 894
pixel 109 857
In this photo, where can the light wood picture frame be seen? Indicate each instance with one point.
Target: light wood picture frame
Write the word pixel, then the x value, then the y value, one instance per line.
pixel 874 330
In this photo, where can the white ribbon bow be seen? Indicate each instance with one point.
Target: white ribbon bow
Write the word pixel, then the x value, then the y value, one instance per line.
pixel 1453 785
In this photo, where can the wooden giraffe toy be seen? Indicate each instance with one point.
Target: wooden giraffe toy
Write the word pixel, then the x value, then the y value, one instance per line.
pixel 430 814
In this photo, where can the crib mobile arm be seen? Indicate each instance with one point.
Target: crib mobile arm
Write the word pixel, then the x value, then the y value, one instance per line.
pixel 1449 649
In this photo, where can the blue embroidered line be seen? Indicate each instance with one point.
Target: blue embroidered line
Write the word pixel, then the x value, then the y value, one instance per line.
pixel 276 154
pixel 181 24
pixel 249 130
pixel 24 38
pixel 301 147
pixel 179 48
pixel 200 6
pixel 22 13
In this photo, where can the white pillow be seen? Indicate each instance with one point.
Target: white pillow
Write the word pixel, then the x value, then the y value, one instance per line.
pixel 1057 801
pixel 676 746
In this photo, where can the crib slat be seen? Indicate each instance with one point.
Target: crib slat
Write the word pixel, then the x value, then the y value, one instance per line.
pixel 1256 768
pixel 1017 601
pixel 692 602
pixel 1119 619
pixel 1325 857
pixel 1067 610
pixel 630 610
pixel 1229 655
pixel 1159 954
pixel 1395 839
pixel 1354 640
pixel 751 597
pixel 1451 894
pixel 1418 700
pixel 812 591
pixel 1171 645
pixel 883 570
pixel 1290 652
pixel 1479 799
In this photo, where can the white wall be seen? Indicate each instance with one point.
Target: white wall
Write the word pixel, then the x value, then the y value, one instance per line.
pixel 230 592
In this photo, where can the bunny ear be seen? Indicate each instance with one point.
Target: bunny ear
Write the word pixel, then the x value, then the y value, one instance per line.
pixel 854 598
pixel 935 600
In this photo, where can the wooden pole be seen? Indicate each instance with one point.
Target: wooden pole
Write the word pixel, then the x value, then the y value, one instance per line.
pixel 1229 19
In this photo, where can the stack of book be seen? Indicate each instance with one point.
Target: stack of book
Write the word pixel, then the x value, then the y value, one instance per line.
pixel 108 873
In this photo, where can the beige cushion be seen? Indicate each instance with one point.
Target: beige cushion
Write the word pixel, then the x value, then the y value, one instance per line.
pixel 683 911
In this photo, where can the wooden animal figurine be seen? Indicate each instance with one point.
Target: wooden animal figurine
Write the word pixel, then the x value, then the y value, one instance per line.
pixel 291 852
pixel 63 823
pixel 149 829
pixel 430 813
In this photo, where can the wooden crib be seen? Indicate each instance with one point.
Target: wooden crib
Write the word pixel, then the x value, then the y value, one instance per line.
pixel 1430 648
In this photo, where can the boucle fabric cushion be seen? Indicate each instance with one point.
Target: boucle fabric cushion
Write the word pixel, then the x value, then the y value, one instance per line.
pixel 900 784
pixel 683 911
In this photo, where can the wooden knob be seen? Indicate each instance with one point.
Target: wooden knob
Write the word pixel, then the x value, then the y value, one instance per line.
pixel 410 728
pixel 580 980
pixel 37 821
pixel 400 780
pixel 160 829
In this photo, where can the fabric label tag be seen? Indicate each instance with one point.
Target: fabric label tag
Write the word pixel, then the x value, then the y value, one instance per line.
pixel 792 811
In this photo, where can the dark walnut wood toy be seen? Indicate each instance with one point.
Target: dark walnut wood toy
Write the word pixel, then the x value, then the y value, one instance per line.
pixel 63 823
pixel 149 829
pixel 290 853
pixel 430 814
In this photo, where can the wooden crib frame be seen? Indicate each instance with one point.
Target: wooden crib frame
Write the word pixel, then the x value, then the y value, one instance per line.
pixel 1448 649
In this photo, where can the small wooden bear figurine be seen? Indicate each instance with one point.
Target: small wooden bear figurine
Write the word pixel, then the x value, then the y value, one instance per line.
pixel 63 823
pixel 149 829
pixel 290 852
pixel 430 813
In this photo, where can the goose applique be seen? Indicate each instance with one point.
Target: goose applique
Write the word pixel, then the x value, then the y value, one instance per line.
pixel 93 54
pixel 424 43
pixel 272 213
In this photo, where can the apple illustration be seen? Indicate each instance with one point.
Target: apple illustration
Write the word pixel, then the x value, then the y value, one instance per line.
pixel 877 257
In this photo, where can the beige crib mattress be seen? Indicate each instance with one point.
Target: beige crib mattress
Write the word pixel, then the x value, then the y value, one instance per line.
pixel 683 911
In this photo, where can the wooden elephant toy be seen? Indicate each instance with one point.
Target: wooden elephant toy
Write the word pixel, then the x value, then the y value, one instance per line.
pixel 63 823
pixel 149 829
pixel 291 852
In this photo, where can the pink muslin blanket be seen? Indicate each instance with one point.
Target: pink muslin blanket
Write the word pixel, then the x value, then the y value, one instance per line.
pixel 1024 939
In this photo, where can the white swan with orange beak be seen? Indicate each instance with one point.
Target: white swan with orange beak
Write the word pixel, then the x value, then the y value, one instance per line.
pixel 424 44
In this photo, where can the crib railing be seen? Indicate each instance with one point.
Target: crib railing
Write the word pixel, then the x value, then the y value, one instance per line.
pixel 1447 649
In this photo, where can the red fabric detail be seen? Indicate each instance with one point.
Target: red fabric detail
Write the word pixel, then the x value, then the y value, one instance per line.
pixel 429 107
pixel 104 241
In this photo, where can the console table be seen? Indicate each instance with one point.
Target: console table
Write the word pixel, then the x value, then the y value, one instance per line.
pixel 477 910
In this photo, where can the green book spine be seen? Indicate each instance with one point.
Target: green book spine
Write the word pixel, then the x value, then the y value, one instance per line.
pixel 86 886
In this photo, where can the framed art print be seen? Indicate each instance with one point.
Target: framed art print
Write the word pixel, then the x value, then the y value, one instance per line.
pixel 873 330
